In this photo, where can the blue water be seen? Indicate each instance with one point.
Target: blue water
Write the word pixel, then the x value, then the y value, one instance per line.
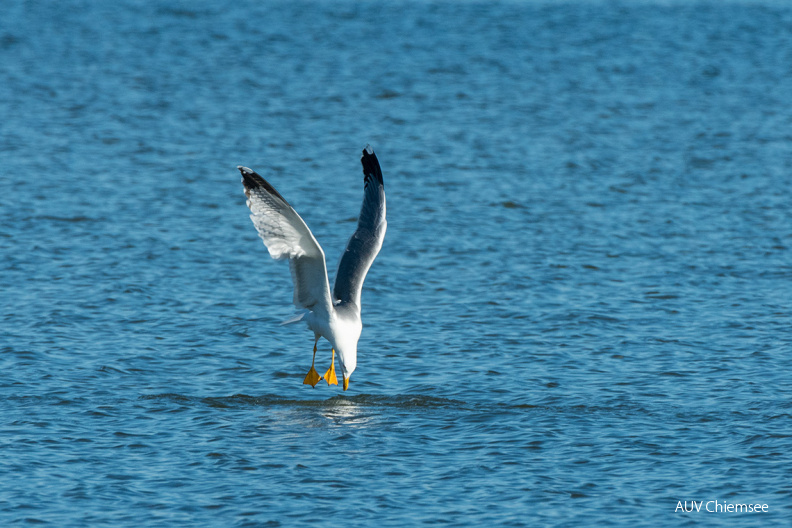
pixel 581 314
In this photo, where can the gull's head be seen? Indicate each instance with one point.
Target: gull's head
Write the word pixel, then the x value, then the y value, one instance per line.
pixel 346 342
pixel 346 328
pixel 347 354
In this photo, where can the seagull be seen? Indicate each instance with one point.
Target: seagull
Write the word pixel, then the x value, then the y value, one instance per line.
pixel 335 317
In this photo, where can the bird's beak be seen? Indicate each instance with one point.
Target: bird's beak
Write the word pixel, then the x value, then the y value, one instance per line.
pixel 346 382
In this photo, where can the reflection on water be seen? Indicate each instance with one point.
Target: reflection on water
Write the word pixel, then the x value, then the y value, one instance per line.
pixel 345 412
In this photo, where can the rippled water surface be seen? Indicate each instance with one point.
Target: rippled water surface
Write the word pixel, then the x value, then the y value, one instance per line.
pixel 580 316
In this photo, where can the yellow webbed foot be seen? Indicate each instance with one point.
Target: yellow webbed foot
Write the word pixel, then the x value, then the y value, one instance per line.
pixel 312 378
pixel 330 375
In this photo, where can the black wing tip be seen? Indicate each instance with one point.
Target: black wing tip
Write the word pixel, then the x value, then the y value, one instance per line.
pixel 371 166
pixel 251 180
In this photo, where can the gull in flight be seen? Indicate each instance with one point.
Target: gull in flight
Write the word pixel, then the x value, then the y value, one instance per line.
pixel 335 317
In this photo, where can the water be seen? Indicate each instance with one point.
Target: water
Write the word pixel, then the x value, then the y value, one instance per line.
pixel 580 316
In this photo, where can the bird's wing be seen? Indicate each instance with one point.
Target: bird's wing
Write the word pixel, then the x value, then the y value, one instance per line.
pixel 286 236
pixel 366 242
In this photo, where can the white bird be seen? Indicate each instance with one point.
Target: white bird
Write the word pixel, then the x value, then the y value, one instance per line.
pixel 335 317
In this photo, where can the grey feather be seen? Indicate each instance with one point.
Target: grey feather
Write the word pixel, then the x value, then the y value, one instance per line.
pixel 287 236
pixel 366 241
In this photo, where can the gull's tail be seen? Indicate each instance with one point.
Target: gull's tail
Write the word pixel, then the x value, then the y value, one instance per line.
pixel 296 318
